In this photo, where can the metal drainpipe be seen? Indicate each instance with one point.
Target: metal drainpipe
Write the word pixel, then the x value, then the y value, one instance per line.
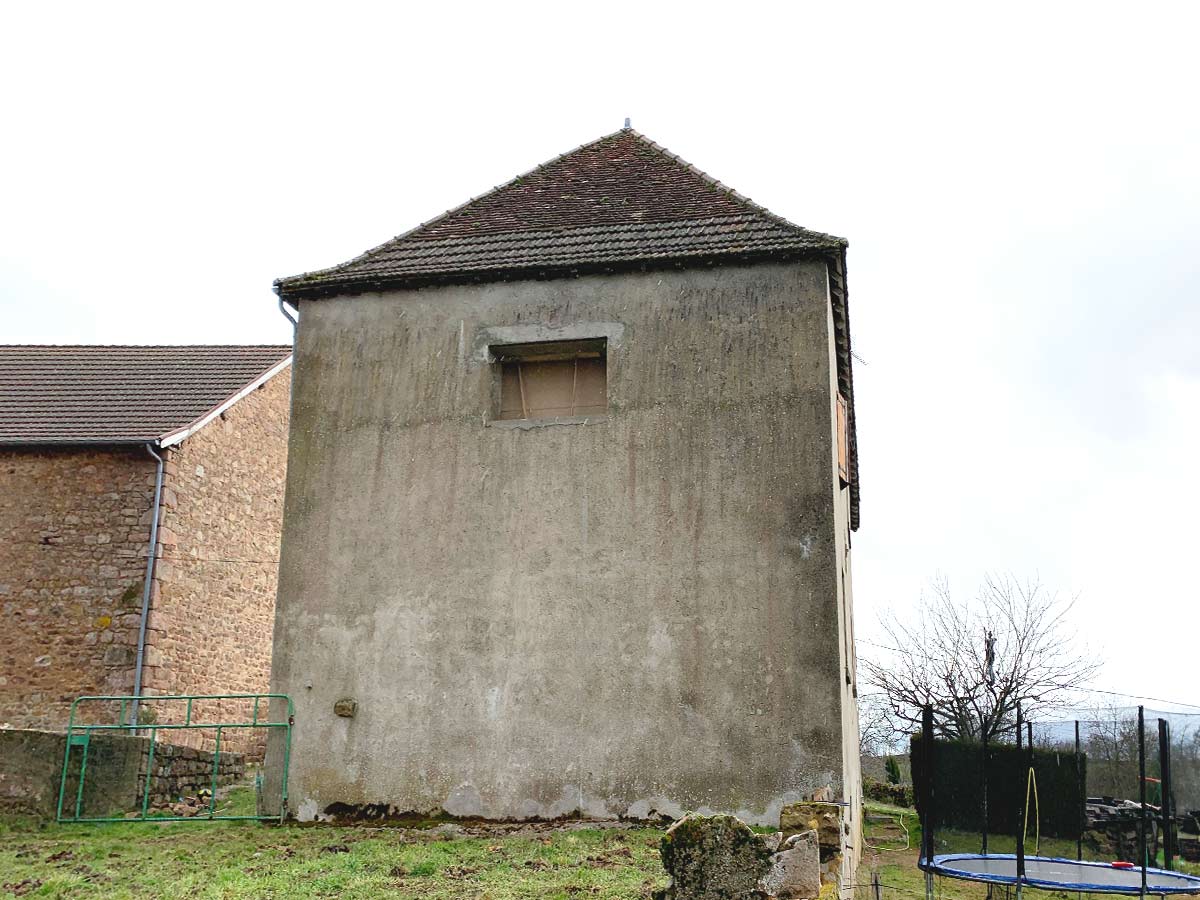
pixel 146 587
pixel 287 315
pixel 295 320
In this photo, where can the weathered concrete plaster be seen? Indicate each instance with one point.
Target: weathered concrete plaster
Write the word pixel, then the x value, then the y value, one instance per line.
pixel 637 616
pixel 851 797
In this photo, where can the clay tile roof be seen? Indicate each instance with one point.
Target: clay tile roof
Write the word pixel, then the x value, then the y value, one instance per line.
pixel 89 394
pixel 619 201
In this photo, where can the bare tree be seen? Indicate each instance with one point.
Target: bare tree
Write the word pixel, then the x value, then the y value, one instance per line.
pixel 1110 739
pixel 975 662
pixel 877 731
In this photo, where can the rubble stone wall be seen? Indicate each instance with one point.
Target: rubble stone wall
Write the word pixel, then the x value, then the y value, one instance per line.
pixel 74 527
pixel 212 622
pixel 181 772
pixel 74 534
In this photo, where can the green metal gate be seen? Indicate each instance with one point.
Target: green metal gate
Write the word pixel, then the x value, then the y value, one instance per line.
pixel 80 734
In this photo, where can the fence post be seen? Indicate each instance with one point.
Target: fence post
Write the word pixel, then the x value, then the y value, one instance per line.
pixel 1021 817
pixel 1168 806
pixel 985 789
pixel 927 798
pixel 1079 780
pixel 1142 842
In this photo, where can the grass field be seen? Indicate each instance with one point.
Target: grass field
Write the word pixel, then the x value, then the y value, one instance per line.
pixel 250 859
pixel 485 862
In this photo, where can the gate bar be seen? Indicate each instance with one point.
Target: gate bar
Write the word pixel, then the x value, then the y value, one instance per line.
pixel 82 772
pixel 149 773
pixel 212 800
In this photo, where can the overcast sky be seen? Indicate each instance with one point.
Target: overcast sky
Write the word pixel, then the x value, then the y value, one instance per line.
pixel 1021 192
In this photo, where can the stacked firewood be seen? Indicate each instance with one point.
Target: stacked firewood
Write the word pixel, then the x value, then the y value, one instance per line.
pixel 1113 826
pixel 1187 839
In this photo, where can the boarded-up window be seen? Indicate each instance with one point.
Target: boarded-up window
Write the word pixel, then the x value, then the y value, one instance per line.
pixel 843 439
pixel 552 380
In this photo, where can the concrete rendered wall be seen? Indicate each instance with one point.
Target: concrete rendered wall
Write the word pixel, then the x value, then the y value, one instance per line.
pixel 632 616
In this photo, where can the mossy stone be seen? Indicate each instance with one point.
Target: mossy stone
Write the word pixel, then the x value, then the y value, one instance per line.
pixel 713 858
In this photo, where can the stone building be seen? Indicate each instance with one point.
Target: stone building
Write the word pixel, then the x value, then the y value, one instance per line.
pixel 571 489
pixel 81 431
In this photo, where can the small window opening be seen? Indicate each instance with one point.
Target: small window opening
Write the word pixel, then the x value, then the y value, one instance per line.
pixel 552 379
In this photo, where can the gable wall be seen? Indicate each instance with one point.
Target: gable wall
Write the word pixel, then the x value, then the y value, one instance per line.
pixel 627 617
pixel 211 618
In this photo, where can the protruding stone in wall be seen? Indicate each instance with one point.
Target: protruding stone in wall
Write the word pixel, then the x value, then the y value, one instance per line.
pixel 721 858
pixel 825 819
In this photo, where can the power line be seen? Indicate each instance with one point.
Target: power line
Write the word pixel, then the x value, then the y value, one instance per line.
pixel 1081 689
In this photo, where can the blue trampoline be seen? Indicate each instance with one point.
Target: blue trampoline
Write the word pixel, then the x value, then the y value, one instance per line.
pixel 1022 870
pixel 1057 874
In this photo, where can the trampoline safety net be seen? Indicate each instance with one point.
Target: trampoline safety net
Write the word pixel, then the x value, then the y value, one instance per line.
pixel 1106 804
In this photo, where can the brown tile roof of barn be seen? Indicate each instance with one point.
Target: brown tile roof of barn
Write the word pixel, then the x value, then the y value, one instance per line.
pixel 91 394
pixel 617 202
pixel 621 202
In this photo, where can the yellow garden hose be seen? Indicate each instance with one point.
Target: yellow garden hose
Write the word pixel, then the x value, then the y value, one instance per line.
pixel 1031 788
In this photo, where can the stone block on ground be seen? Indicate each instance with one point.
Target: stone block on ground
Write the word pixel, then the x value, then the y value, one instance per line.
pixel 795 871
pixel 721 858
pixel 713 858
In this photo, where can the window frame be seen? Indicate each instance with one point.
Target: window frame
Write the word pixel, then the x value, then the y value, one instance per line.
pixel 561 350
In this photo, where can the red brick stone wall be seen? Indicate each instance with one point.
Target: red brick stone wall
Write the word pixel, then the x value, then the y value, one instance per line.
pixel 212 618
pixel 74 526
pixel 74 529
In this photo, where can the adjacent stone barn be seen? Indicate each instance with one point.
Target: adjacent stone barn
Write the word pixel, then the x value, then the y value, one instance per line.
pixel 82 430
pixel 571 488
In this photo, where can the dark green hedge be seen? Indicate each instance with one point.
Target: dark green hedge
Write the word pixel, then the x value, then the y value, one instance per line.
pixel 958 787
pixel 881 791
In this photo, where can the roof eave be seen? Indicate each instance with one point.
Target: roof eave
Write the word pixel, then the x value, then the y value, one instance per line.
pixel 92 443
pixel 303 287
pixel 179 434
pixel 839 293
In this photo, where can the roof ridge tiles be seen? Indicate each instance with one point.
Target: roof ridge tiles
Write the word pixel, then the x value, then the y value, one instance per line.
pixel 619 203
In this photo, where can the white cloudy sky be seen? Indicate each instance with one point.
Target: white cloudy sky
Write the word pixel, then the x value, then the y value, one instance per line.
pixel 1020 185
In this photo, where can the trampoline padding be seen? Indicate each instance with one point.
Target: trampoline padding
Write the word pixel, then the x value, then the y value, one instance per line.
pixel 1061 874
